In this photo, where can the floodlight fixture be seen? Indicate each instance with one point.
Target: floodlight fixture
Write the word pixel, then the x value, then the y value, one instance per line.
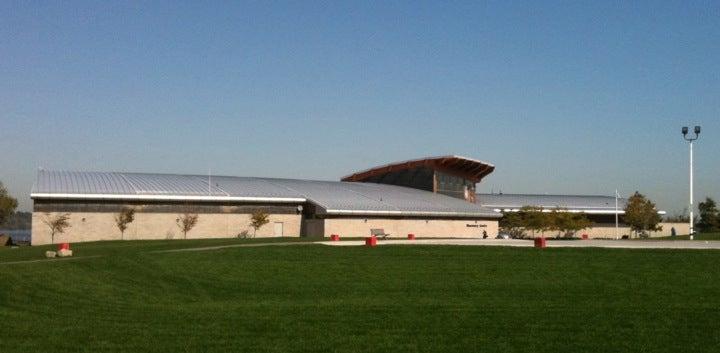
pixel 685 131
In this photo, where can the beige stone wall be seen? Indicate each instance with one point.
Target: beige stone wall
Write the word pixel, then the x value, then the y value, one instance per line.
pixel 608 230
pixel 680 228
pixel 94 226
pixel 400 228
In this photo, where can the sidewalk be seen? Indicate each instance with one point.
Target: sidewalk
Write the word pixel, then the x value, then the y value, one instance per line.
pixel 622 244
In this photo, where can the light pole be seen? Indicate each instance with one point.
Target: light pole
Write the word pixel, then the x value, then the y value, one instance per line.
pixel 616 213
pixel 691 139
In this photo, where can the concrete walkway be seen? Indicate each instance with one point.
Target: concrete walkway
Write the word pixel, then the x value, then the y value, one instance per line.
pixel 622 244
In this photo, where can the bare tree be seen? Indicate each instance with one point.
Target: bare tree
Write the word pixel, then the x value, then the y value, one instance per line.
pixel 123 218
pixel 186 222
pixel 57 224
pixel 259 219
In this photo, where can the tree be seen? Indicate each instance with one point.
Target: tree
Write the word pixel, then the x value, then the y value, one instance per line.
pixel 57 224
pixel 567 223
pixel 580 221
pixel 678 217
pixel 7 204
pixel 186 222
pixel 512 223
pixel 19 220
pixel 642 215
pixel 554 220
pixel 259 219
pixel 534 219
pixel 123 218
pixel 709 216
pixel 527 218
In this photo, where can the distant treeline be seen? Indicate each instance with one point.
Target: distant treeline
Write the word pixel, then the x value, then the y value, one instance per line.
pixel 19 220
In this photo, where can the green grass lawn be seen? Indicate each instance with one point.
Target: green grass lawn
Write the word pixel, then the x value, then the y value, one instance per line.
pixel 357 299
pixel 106 248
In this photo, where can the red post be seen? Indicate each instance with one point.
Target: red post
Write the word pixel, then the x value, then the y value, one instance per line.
pixel 334 237
pixel 371 241
pixel 585 237
pixel 411 236
pixel 540 242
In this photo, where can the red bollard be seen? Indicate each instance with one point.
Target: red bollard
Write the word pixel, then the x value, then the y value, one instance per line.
pixel 334 237
pixel 585 237
pixel 371 241
pixel 64 246
pixel 540 242
pixel 411 236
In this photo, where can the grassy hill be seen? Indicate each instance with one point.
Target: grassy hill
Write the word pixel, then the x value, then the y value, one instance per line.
pixel 302 298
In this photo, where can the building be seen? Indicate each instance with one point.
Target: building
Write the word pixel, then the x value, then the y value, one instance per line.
pixel 427 197
pixel 601 210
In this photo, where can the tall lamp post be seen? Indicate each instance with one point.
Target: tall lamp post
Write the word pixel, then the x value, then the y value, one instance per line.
pixel 616 213
pixel 691 139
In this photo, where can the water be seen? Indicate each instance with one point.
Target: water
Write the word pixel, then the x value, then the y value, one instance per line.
pixel 18 235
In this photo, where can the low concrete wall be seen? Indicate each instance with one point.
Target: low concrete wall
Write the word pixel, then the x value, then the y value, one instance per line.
pixel 400 228
pixel 95 226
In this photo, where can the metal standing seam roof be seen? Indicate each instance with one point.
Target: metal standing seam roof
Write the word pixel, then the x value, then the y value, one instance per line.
pixel 579 203
pixel 331 197
pixel 143 186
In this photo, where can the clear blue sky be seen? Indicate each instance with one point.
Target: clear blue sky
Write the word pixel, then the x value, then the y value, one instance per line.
pixel 563 97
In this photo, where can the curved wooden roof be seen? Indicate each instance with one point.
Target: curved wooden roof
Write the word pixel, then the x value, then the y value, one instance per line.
pixel 471 169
